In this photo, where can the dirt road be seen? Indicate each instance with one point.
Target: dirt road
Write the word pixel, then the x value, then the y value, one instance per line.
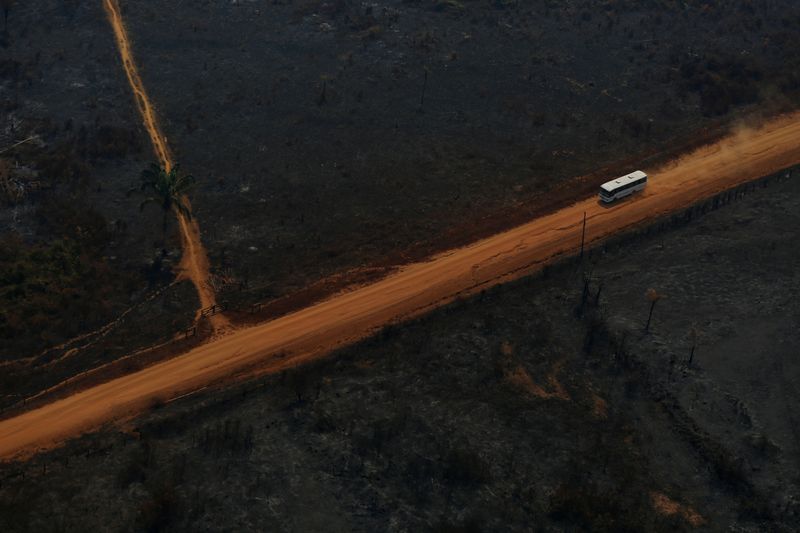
pixel 194 263
pixel 412 290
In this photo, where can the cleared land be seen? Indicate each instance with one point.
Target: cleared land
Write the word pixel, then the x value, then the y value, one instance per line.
pixel 317 153
pixel 521 409
pixel 540 404
pixel 413 289
pixel 319 163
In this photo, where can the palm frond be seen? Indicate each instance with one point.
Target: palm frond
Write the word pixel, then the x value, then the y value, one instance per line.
pixel 148 200
pixel 184 210
pixel 152 172
pixel 166 188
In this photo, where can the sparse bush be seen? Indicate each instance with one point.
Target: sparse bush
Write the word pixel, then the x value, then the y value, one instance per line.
pixel 722 83
pixel 47 289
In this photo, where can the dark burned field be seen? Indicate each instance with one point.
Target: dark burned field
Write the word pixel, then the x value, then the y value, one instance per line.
pixel 305 120
pixel 75 252
pixel 531 407
pixel 316 153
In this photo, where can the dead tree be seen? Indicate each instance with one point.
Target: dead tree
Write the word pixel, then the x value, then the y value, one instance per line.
pixel 6 4
pixel 653 296
pixel 693 334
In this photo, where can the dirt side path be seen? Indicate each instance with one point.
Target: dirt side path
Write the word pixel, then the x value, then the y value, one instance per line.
pixel 418 287
pixel 194 263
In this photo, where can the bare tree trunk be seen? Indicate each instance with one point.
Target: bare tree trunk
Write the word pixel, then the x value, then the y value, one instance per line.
pixel 584 295
pixel 650 316
pixel 424 86
pixel 583 233
pixel 323 96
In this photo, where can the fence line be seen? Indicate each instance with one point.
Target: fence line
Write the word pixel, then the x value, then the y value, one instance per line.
pixel 211 310
pixel 695 210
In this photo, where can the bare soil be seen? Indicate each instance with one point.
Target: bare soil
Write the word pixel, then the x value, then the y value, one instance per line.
pixel 724 168
pixel 538 404
pixel 320 161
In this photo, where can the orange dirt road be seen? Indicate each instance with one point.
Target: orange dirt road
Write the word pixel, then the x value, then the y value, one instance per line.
pixel 194 263
pixel 412 290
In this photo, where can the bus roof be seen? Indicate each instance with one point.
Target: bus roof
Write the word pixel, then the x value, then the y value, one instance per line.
pixel 610 186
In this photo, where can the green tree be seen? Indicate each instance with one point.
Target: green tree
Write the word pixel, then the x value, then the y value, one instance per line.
pixel 166 188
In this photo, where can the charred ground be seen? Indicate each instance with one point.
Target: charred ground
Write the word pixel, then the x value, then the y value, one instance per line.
pixel 317 151
pixel 306 123
pixel 537 405
pixel 75 252
pixel 332 134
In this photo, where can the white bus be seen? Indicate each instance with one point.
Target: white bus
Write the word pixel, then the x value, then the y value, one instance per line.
pixel 621 187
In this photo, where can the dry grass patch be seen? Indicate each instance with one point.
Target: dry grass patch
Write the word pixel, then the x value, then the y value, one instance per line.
pixel 666 506
pixel 517 375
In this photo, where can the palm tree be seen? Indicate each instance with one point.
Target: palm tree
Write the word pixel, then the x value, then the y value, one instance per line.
pixel 167 188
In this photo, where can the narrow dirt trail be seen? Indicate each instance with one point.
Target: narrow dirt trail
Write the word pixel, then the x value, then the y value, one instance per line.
pixel 414 289
pixel 194 263
pixel 137 86
pixel 194 266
